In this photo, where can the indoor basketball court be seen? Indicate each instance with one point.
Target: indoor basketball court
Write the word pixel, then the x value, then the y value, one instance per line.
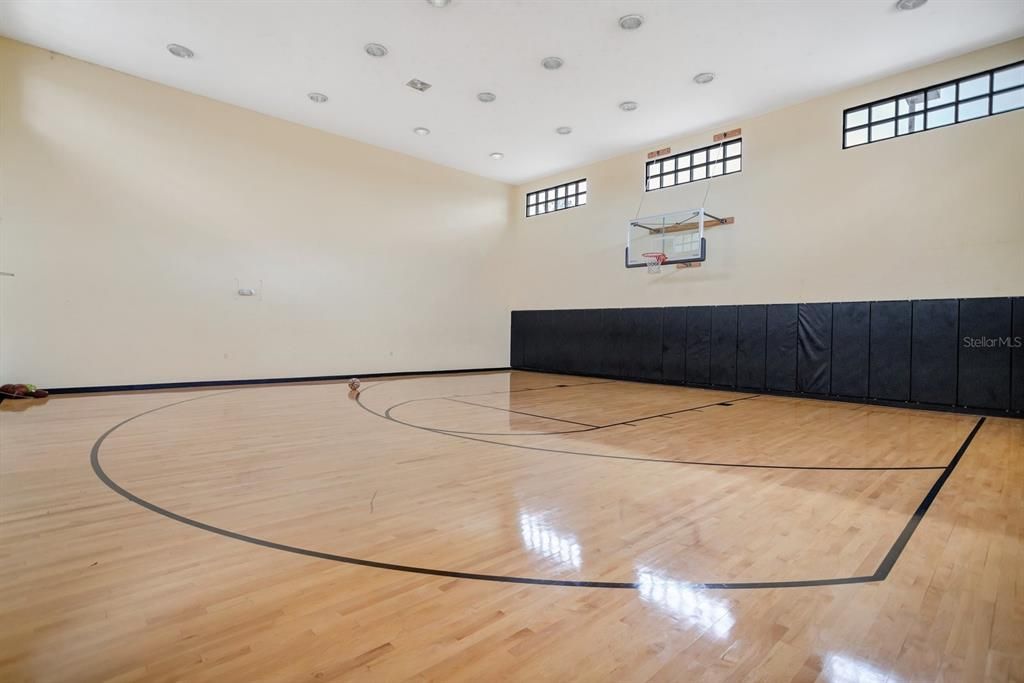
pixel 456 340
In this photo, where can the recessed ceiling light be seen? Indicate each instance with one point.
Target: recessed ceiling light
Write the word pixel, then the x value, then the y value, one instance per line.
pixel 704 78
pixel 909 4
pixel 552 63
pixel 421 131
pixel 375 49
pixel 631 22
pixel 486 96
pixel 628 106
pixel 317 97
pixel 563 130
pixel 497 155
pixel 417 84
pixel 438 3
pixel 180 51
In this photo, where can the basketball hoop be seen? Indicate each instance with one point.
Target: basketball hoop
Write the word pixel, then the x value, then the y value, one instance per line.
pixel 654 260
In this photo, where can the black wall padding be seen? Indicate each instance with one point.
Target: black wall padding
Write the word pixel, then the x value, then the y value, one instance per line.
pixel 518 334
pixel 537 343
pixel 571 327
pixel 889 373
pixel 592 342
pixel 603 352
pixel 722 371
pixel 933 351
pixel 985 339
pixel 890 352
pixel 1017 356
pixel 851 332
pixel 780 347
pixel 616 345
pixel 698 344
pixel 814 348
pixel 673 344
pixel 750 344
pixel 644 326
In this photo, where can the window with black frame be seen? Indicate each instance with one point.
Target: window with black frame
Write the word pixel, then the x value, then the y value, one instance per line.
pixel 557 198
pixel 722 158
pixel 973 97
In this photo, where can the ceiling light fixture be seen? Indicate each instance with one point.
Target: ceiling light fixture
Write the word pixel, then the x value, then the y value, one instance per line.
pixel 704 78
pixel 486 96
pixel 909 4
pixel 631 22
pixel 421 131
pixel 180 51
pixel 628 106
pixel 552 63
pixel 438 3
pixel 375 49
pixel 417 84
pixel 563 130
pixel 497 155
pixel 317 97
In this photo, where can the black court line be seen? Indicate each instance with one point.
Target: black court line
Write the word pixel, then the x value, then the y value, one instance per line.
pixel 518 412
pixel 473 436
pixel 588 428
pixel 880 574
pixel 543 388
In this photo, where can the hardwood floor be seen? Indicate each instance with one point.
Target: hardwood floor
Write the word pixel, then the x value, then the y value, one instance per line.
pixel 612 531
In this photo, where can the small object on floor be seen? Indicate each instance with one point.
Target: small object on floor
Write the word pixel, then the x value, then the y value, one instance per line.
pixel 22 391
pixel 353 384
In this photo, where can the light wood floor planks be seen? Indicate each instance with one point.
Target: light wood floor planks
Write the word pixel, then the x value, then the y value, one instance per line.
pixel 592 514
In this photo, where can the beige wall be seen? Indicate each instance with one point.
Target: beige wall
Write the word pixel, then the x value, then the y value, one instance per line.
pixel 937 214
pixel 128 210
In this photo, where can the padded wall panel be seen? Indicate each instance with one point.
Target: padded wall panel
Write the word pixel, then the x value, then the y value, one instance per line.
pixel 570 327
pixel 642 330
pixel 517 338
pixel 673 344
pixel 615 344
pixel 814 348
pixel 984 378
pixel 851 327
pixel 889 368
pixel 722 370
pixel 534 349
pixel 698 344
pixel 591 342
pixel 887 350
pixel 1017 357
pixel 750 344
pixel 933 351
pixel 561 340
pixel 602 346
pixel 554 341
pixel 780 347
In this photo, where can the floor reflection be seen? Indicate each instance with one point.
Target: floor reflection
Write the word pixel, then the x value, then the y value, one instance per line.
pixel 683 601
pixel 846 669
pixel 541 538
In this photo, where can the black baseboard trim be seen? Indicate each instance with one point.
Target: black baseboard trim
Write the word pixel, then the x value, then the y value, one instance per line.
pixel 796 394
pixel 271 380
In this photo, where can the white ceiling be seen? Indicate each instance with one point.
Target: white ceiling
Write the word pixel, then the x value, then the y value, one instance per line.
pixel 265 55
